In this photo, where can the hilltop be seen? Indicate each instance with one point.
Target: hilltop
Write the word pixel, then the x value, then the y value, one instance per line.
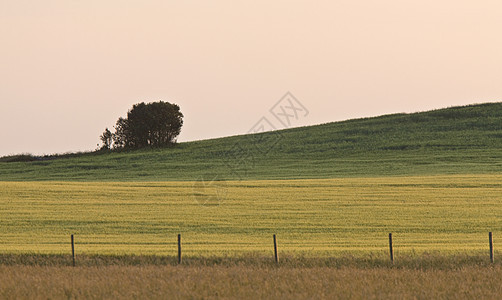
pixel 457 140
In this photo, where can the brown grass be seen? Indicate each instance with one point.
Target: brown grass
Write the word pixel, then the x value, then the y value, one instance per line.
pixel 371 260
pixel 246 282
pixel 428 276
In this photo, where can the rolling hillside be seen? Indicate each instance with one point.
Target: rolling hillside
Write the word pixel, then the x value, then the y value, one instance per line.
pixel 458 140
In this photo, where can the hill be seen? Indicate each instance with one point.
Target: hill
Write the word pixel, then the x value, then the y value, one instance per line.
pixel 457 140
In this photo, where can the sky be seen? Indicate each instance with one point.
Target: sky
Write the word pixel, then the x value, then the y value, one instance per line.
pixel 69 69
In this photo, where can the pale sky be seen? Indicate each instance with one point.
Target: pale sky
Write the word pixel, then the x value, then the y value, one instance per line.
pixel 70 68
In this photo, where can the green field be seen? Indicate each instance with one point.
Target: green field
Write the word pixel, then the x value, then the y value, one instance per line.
pixel 322 217
pixel 461 140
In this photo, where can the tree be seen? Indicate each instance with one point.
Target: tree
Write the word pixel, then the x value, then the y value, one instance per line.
pixel 121 133
pixel 106 139
pixel 153 124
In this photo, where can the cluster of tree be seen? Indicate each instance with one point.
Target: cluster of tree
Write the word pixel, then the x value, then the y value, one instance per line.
pixel 152 124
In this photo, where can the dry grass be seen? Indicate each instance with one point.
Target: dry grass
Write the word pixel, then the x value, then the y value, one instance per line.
pixel 246 282
pixel 424 261
pixel 425 276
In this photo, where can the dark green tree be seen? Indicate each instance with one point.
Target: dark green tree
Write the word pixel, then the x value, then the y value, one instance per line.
pixel 106 139
pixel 149 124
pixel 121 133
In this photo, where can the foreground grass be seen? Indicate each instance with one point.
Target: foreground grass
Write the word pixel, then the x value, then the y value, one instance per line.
pixel 449 214
pixel 250 276
pixel 247 282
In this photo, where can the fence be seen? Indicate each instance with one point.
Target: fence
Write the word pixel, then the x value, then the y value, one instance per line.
pixel 276 252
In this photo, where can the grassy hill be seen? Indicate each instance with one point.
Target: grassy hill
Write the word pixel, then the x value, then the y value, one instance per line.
pixel 458 140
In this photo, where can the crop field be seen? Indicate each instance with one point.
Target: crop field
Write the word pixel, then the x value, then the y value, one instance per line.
pixel 446 214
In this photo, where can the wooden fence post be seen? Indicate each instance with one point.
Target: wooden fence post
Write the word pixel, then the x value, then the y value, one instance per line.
pixel 179 248
pixel 390 248
pixel 73 249
pixel 276 256
pixel 490 239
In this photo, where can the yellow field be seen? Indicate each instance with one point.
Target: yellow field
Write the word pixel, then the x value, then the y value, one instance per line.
pixel 447 214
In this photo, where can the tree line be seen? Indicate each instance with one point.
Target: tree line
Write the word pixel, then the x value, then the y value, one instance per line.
pixel 153 124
